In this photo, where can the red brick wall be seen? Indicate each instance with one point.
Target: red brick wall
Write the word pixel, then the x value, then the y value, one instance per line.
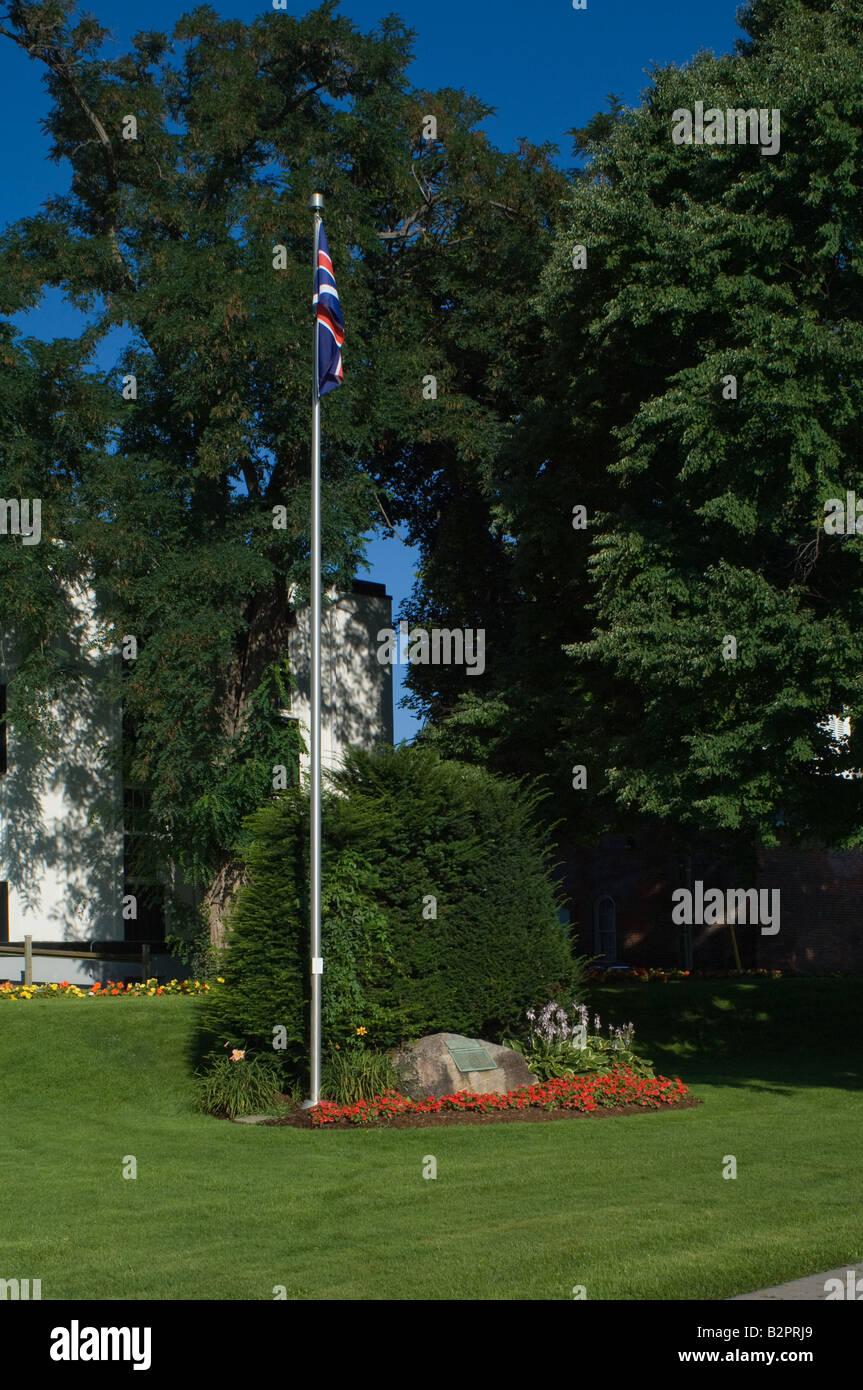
pixel 821 922
pixel 821 926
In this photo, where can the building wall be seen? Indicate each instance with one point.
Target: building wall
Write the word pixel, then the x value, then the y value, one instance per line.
pixel 822 910
pixel 61 842
pixel 61 837
pixel 356 690
pixel 821 905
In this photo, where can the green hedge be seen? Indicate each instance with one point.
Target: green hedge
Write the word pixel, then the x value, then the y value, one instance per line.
pixel 399 824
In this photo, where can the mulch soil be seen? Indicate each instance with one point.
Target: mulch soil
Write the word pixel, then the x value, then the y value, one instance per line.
pixel 302 1119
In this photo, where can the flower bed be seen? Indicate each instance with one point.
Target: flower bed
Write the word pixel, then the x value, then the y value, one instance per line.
pixel 136 988
pixel 638 972
pixel 610 1091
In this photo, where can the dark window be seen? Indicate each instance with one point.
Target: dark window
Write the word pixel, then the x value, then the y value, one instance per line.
pixel 4 912
pixel 149 923
pixel 140 877
pixel 605 929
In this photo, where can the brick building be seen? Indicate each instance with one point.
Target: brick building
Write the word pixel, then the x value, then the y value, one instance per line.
pixel 619 895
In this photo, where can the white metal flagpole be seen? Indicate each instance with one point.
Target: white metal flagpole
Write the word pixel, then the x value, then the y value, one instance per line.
pixel 316 202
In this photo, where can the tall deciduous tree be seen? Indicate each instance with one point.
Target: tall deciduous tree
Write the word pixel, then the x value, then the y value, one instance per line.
pixel 186 222
pixel 702 396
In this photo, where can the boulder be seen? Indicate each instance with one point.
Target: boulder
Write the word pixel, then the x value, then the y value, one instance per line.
pixel 426 1068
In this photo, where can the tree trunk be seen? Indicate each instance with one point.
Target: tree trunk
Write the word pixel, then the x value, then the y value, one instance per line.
pixel 218 898
pixel 270 618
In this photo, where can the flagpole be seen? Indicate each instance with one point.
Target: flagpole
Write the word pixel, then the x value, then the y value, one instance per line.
pixel 316 202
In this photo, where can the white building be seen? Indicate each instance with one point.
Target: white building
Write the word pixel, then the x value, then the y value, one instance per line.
pixel 356 690
pixel 62 875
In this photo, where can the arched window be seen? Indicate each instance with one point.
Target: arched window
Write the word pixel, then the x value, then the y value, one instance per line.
pixel 605 929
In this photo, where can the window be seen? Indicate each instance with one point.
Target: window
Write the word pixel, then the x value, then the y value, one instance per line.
pixel 4 913
pixel 605 929
pixel 140 876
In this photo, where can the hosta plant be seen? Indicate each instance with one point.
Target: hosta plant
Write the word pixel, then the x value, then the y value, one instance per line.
pixel 559 1043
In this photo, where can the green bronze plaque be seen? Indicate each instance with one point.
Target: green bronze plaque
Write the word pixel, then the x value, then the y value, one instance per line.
pixel 471 1057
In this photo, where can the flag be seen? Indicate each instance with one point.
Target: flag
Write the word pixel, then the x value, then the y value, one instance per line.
pixel 330 326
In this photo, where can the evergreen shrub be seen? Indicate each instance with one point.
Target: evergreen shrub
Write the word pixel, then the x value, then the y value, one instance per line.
pixel 399 825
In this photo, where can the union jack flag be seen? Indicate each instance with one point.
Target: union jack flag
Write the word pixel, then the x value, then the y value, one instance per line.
pixel 330 325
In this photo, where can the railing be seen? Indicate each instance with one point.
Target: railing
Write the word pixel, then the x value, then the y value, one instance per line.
pixel 29 951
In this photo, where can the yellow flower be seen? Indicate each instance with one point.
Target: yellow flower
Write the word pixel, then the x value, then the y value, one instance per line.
pixel 361 1032
pixel 219 980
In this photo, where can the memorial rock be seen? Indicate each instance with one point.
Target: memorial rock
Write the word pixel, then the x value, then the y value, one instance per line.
pixel 443 1063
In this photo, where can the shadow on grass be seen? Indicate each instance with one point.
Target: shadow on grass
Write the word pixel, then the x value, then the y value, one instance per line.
pixel 780 1074
pixel 774 1035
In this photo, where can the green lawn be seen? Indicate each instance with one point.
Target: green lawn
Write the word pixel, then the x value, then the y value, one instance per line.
pixel 630 1208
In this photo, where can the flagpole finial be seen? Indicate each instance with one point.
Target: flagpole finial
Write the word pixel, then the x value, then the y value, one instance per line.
pixel 316 201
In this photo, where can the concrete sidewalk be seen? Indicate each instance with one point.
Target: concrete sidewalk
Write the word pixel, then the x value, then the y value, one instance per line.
pixel 849 1277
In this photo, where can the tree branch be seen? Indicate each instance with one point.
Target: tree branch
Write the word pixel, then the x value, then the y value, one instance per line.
pixel 61 69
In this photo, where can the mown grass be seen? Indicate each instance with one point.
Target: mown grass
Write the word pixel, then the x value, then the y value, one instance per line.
pixel 631 1208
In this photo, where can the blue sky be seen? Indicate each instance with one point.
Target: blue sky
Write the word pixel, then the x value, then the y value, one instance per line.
pixel 544 67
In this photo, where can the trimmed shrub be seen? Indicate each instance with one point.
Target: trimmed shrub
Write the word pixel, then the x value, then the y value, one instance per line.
pixel 264 967
pixel 400 825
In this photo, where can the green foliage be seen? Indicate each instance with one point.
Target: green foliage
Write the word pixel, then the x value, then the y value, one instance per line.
pixel 247 1086
pixel 266 963
pixel 399 825
pixel 357 1073
pixel 429 828
pixel 557 1043
pixel 707 263
pixel 705 514
pixel 166 502
pixel 550 1059
pixel 361 964
pixel 202 958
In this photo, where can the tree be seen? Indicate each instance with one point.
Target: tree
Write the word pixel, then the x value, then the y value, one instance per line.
pixel 703 402
pixel 183 499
